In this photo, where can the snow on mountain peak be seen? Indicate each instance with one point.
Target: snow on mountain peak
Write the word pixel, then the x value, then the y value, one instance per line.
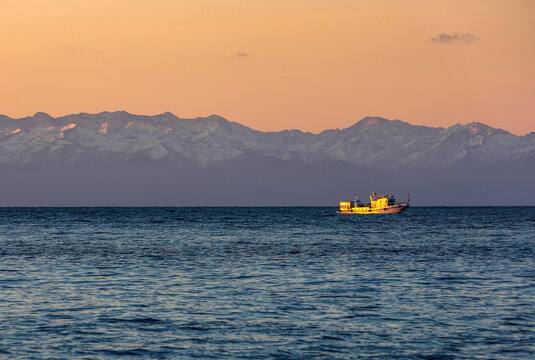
pixel 68 127
pixel 371 142
pixel 103 128
pixel 14 132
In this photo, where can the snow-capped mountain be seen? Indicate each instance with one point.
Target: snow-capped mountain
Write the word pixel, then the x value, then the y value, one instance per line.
pixel 123 159
pixel 372 142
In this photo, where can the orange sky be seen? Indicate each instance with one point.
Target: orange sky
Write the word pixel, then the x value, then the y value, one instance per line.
pixel 273 64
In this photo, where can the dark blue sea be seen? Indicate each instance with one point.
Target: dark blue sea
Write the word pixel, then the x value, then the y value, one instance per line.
pixel 267 283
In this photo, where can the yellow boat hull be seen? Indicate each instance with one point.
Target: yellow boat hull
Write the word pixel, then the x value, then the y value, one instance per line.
pixel 393 209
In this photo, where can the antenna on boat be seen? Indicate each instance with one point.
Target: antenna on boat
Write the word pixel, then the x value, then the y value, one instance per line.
pixel 408 198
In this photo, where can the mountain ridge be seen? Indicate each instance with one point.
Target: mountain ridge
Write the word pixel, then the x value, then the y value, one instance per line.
pixel 370 141
pixel 41 114
pixel 118 158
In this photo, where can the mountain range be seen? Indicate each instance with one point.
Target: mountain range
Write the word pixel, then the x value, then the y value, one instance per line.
pixel 117 158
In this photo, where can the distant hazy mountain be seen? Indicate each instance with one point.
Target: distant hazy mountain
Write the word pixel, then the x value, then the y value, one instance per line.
pixel 124 159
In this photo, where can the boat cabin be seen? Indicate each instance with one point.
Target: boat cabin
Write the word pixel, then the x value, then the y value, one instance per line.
pixel 377 201
pixel 379 204
pixel 345 205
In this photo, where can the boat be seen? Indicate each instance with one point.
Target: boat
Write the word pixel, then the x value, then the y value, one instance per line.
pixel 379 204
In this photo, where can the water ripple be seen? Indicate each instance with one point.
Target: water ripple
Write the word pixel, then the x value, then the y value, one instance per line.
pixel 254 283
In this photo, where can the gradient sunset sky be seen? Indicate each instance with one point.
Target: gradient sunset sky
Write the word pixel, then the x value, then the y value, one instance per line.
pixel 273 64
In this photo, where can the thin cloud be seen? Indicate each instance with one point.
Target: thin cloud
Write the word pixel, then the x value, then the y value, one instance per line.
pixel 242 54
pixel 446 38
